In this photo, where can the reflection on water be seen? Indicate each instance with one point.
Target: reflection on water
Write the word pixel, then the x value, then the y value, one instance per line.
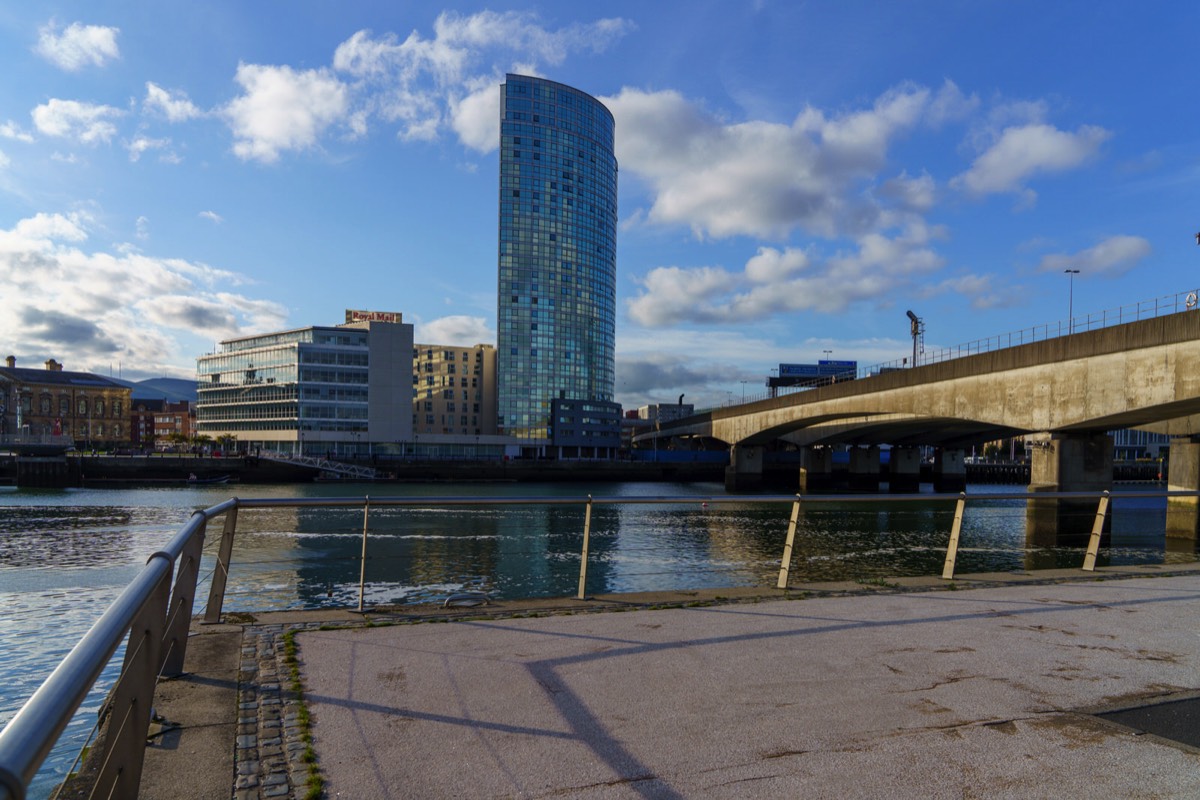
pixel 65 555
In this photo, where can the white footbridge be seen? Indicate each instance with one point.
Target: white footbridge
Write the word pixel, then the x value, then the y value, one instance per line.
pixel 350 471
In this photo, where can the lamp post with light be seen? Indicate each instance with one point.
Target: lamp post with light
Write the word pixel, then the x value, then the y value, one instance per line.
pixel 1071 273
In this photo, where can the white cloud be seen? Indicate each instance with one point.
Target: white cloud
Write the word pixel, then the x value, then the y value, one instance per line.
pixel 143 228
pixel 78 46
pixel 282 109
pixel 476 118
pixel 708 366
pixel 9 130
pixel 212 216
pixel 4 160
pixel 70 119
pixel 450 80
pixel 1023 152
pixel 142 144
pixel 176 107
pixel 52 228
pixel 911 194
pixel 981 291
pixel 760 178
pixel 1114 256
pixel 951 105
pixel 458 330
pixel 782 281
pixel 59 300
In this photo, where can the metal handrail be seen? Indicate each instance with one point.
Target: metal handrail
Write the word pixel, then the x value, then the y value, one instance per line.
pixel 157 624
pixel 142 612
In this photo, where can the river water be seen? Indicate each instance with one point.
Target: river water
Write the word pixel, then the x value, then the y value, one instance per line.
pixel 66 554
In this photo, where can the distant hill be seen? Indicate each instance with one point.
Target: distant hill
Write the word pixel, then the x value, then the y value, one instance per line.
pixel 170 389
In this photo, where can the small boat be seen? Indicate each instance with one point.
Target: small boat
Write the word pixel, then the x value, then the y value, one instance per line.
pixel 466 600
pixel 216 479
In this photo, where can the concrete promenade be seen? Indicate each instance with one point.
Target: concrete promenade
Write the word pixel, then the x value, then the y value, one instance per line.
pixel 838 691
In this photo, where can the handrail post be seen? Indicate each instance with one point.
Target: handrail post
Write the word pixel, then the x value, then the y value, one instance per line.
pixel 785 563
pixel 583 557
pixel 183 597
pixel 362 570
pixel 216 593
pixel 129 706
pixel 1089 560
pixel 955 532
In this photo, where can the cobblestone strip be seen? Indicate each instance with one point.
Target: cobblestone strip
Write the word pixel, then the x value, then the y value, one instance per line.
pixel 269 755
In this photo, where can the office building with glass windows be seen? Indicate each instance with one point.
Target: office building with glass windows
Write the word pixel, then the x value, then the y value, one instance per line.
pixel 556 314
pixel 341 390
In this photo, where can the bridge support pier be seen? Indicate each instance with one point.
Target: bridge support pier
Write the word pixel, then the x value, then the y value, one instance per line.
pixel 745 470
pixel 949 470
pixel 1077 462
pixel 864 469
pixel 904 470
pixel 816 469
pixel 1183 513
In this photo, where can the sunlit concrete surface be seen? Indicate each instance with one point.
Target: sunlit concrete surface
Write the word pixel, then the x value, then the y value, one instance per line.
pixel 928 694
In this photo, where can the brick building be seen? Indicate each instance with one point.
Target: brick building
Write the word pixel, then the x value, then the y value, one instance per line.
pixel 90 409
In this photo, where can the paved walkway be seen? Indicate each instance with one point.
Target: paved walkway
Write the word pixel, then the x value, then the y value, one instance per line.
pixel 950 694
pixel 841 690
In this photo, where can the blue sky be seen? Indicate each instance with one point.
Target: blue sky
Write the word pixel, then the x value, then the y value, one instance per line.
pixel 793 176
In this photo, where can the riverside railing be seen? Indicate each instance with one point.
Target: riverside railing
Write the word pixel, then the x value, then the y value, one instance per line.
pixel 153 615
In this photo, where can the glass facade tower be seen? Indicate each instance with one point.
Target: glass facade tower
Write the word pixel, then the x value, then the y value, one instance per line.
pixel 556 314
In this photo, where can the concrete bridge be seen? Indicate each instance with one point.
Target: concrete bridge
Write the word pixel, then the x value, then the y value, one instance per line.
pixel 1065 393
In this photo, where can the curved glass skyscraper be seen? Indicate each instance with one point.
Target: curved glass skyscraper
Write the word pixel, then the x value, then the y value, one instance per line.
pixel 557 267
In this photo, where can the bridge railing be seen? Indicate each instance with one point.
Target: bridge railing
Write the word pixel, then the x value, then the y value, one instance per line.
pixel 153 615
pixel 1133 312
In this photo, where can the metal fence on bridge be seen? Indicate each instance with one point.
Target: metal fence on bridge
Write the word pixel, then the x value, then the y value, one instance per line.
pixel 1135 312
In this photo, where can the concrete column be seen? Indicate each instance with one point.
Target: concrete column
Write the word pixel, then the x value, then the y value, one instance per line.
pixel 816 469
pixel 864 469
pixel 949 470
pixel 745 470
pixel 1183 513
pixel 904 470
pixel 1075 462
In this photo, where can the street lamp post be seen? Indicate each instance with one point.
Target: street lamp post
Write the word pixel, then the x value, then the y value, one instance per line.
pixel 744 390
pixel 1071 273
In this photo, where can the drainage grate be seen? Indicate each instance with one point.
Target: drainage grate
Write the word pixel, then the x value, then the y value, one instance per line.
pixel 1177 720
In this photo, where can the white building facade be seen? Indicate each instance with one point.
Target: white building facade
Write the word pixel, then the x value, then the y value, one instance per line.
pixel 343 390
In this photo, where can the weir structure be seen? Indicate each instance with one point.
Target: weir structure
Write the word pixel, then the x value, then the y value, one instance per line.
pixel 1064 393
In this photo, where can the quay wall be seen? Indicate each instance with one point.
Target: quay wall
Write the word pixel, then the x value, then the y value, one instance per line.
pixel 175 470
